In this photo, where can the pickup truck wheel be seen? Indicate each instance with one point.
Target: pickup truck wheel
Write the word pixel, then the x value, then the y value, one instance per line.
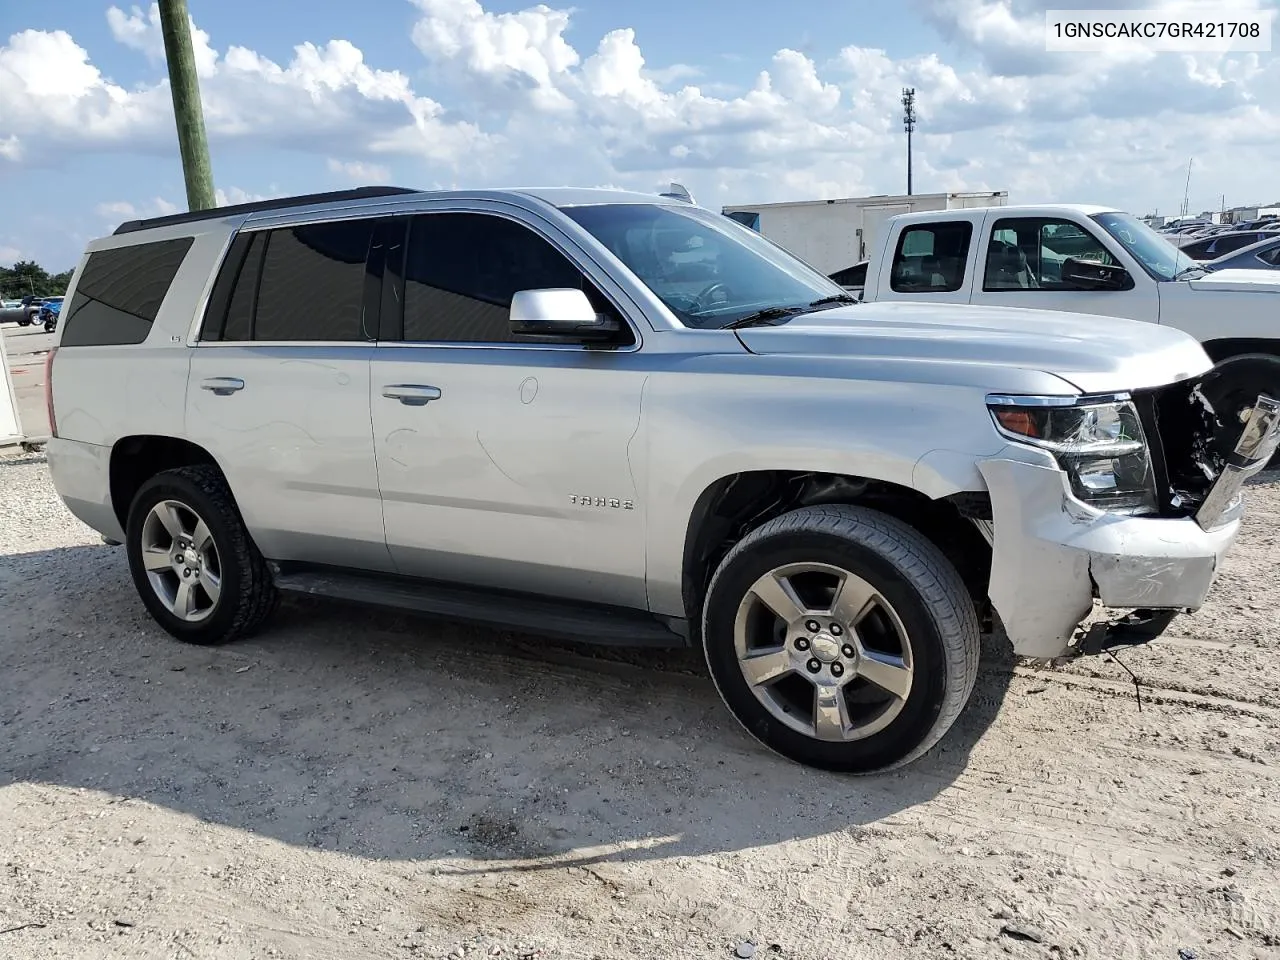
pixel 192 560
pixel 841 638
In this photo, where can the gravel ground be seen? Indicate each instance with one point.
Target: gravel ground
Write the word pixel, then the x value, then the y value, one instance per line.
pixel 357 783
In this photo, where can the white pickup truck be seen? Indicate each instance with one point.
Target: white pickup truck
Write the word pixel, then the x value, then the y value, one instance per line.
pixel 1087 259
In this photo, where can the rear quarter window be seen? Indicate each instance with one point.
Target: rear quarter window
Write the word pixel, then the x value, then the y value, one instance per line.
pixel 120 291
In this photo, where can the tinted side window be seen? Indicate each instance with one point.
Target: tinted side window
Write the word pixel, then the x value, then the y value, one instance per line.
pixel 215 314
pixel 312 283
pixel 1271 256
pixel 1026 253
pixel 1230 244
pixel 462 270
pixel 120 291
pixel 930 257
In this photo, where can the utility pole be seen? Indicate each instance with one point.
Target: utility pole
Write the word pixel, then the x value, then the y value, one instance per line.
pixel 175 25
pixel 909 124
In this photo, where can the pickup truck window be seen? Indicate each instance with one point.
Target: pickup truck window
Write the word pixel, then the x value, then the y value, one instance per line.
pixel 1026 253
pixel 1158 257
pixel 930 257
pixel 706 268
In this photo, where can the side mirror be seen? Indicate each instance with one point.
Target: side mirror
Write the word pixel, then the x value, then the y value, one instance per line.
pixel 559 314
pixel 1091 275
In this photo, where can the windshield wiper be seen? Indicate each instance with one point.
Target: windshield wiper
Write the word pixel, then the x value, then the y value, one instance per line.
pixel 1185 270
pixel 765 317
pixel 836 298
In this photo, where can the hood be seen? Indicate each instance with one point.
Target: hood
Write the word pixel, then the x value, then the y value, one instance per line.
pixel 1095 354
pixel 1243 279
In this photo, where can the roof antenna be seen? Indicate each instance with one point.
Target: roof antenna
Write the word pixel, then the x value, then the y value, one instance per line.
pixel 678 191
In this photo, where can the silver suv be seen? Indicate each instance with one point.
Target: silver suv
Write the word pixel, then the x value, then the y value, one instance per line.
pixel 629 419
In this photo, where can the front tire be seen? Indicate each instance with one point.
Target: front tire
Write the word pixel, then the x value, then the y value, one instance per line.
pixel 193 563
pixel 841 638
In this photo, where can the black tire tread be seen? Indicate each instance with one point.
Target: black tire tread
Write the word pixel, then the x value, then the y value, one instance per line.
pixel 945 596
pixel 259 597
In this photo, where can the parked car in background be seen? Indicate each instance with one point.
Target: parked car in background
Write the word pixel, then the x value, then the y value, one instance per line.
pixel 365 395
pixel 1210 248
pixel 49 311
pixel 1263 255
pixel 11 311
pixel 30 309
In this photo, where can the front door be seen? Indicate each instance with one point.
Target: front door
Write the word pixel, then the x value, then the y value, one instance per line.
pixel 1022 267
pixel 502 463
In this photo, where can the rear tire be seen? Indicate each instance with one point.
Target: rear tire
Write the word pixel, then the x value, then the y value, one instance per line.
pixel 894 655
pixel 193 562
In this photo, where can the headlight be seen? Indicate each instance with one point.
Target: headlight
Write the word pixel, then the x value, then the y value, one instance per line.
pixel 1098 442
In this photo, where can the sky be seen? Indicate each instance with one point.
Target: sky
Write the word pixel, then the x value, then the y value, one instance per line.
pixel 743 102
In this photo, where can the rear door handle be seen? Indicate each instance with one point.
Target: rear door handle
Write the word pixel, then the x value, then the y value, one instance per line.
pixel 411 394
pixel 222 386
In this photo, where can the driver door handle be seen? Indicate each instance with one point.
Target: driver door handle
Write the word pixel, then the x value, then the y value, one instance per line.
pixel 411 394
pixel 222 386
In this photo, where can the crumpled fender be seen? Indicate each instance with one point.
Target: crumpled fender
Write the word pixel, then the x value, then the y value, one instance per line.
pixel 1052 555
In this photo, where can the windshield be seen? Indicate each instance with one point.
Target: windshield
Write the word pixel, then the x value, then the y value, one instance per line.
pixel 1157 255
pixel 709 270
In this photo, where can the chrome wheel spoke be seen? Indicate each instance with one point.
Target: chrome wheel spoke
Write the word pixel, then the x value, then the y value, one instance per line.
pixel 156 559
pixel 767 666
pixel 776 593
pixel 830 712
pixel 889 673
pixel 184 600
pixel 211 584
pixel 200 536
pixel 853 600
pixel 167 514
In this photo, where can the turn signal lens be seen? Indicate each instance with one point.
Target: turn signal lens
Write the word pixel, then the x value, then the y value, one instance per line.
pixel 1016 421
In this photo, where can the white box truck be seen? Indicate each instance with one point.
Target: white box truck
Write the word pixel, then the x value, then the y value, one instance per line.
pixel 834 235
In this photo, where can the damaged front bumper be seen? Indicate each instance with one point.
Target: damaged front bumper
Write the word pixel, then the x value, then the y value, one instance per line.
pixel 1053 556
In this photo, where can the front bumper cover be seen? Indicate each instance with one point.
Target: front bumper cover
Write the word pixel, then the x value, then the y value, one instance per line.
pixel 1052 555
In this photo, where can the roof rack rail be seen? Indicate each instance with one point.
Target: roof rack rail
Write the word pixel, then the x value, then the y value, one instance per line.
pixel 276 203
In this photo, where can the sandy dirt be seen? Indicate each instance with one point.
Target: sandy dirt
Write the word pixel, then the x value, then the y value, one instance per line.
pixel 361 784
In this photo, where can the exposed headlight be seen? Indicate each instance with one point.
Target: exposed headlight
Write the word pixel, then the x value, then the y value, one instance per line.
pixel 1098 442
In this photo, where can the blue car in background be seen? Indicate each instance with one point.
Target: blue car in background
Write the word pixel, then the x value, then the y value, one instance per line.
pixel 1263 255
pixel 49 311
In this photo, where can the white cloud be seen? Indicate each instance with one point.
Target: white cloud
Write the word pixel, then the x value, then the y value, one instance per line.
pixel 233 195
pixel 141 31
pixel 360 171
pixel 120 210
pixel 9 256
pixel 52 95
pixel 512 100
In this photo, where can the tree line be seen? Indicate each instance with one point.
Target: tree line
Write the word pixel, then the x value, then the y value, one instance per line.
pixel 27 278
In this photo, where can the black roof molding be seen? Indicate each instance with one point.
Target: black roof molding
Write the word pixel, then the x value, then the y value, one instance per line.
pixel 277 203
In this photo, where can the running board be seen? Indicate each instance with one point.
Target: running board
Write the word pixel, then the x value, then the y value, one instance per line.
pixel 610 626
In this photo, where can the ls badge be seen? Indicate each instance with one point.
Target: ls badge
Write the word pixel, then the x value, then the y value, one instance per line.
pixel 611 502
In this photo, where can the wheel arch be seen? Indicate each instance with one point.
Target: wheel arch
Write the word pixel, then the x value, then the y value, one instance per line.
pixel 137 458
pixel 1227 347
pixel 733 505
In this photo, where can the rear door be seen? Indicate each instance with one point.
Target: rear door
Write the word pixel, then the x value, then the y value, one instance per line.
pixel 279 392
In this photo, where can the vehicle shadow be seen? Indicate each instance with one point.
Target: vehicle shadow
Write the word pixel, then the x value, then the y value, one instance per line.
pixel 389 736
